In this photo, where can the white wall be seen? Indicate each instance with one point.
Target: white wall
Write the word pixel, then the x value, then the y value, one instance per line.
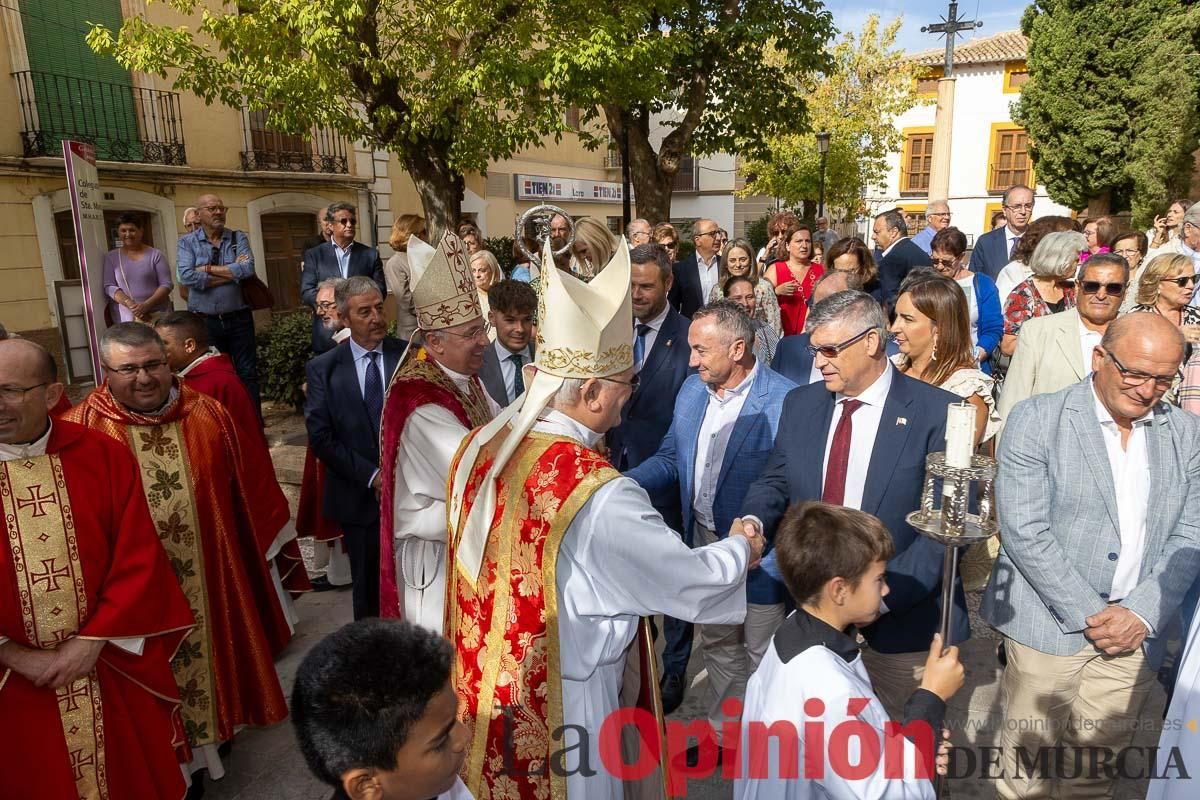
pixel 979 102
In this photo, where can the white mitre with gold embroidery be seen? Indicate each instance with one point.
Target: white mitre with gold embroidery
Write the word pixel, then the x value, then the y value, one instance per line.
pixel 443 293
pixel 585 330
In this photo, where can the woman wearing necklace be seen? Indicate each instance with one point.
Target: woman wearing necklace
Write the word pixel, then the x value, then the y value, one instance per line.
pixel 794 279
pixel 137 278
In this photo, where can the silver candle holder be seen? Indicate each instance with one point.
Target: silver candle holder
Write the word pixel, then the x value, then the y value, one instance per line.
pixel 950 523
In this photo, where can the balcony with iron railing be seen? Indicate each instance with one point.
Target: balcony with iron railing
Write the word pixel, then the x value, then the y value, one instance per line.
pixel 321 150
pixel 687 179
pixel 122 122
pixel 612 159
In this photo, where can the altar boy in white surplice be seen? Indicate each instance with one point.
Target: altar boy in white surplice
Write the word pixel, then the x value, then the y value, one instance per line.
pixel 554 558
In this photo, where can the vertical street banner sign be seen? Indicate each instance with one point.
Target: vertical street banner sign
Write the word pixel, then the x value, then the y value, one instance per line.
pixel 83 184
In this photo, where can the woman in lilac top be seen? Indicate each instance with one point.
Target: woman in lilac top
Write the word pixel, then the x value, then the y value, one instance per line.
pixel 137 279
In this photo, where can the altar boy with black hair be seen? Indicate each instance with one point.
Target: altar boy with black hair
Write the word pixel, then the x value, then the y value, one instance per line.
pixel 812 681
pixel 376 715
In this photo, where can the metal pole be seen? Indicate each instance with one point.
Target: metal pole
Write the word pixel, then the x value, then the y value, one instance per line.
pixel 821 192
pixel 949 576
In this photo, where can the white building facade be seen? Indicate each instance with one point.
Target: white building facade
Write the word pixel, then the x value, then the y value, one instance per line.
pixel 989 152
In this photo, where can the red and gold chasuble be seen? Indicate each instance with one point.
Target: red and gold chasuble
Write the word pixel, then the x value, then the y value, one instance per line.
pixel 211 501
pixel 417 383
pixel 505 627
pixel 80 559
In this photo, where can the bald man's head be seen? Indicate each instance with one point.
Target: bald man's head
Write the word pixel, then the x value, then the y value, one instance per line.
pixel 1135 364
pixel 29 388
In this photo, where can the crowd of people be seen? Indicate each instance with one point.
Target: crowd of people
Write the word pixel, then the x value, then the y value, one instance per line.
pixel 541 473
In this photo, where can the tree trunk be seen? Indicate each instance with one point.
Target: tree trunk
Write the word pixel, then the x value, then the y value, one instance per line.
pixel 652 174
pixel 1099 205
pixel 441 188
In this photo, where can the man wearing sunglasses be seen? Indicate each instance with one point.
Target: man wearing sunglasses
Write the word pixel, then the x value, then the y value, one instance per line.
pixel 338 257
pixel 1100 541
pixel 859 439
pixel 1055 351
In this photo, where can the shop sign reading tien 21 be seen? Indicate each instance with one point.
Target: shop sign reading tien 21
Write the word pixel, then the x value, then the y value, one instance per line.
pixel 540 187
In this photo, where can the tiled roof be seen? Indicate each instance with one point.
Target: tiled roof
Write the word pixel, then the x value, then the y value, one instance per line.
pixel 1006 46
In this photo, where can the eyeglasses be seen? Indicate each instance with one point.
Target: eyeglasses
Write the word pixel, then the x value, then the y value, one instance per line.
pixel 1133 378
pixel 1020 207
pixel 213 209
pixel 131 370
pixel 328 305
pixel 1093 287
pixel 474 333
pixel 706 233
pixel 832 350
pixel 1128 254
pixel 633 382
pixel 345 222
pixel 670 245
pixel 1182 282
pixel 939 214
pixel 943 263
pixel 15 394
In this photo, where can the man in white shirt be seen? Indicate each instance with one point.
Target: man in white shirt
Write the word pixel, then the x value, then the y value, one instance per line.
pixel 1055 351
pixel 512 306
pixel 1092 568
pixel 696 275
pixel 735 401
pixel 994 249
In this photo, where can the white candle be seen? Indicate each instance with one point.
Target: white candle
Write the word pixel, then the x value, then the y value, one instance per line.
pixel 960 434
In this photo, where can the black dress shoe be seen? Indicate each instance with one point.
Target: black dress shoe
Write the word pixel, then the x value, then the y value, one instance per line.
pixel 672 692
pixel 322 584
pixel 196 790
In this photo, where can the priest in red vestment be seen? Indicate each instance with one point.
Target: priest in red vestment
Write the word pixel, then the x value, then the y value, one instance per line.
pixel 90 612
pixel 218 510
pixel 430 406
pixel 207 370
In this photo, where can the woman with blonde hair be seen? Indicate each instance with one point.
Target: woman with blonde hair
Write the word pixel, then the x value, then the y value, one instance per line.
pixel 666 235
pixel 1165 287
pixel 737 261
pixel 486 272
pixel 593 247
pixel 395 271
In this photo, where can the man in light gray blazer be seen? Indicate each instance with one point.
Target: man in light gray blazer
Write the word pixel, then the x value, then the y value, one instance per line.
pixel 1099 503
pixel 1054 351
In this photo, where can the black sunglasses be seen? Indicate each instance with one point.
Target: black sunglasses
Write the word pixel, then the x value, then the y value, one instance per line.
pixel 832 350
pixel 1093 287
pixel 1181 282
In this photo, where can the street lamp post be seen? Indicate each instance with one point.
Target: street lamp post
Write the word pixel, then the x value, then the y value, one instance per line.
pixel 823 149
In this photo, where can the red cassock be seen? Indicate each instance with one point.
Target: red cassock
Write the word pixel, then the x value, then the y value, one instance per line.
pixel 81 558
pixel 310 515
pixel 215 376
pixel 218 509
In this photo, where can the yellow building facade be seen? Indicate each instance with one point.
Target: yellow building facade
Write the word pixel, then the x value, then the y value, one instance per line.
pixel 158 150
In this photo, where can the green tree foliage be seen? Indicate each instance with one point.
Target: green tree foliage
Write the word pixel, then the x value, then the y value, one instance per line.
pixel 867 84
pixel 284 347
pixel 448 85
pixel 694 78
pixel 1110 105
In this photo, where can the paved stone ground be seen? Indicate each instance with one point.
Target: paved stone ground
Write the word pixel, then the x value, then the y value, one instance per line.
pixel 266 765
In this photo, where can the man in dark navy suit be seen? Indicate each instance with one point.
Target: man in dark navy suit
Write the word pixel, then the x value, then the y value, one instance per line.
pixel 696 275
pixel 859 439
pixel 994 249
pixel 898 254
pixel 340 257
pixel 660 355
pixel 342 413
pixel 792 357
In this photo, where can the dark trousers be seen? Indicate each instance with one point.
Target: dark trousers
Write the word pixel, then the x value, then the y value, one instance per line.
pixel 677 645
pixel 362 546
pixel 233 334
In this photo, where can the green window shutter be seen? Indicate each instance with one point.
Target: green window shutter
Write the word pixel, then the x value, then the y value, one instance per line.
pixel 78 93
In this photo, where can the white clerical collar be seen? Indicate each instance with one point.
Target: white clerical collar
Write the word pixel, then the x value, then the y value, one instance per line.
pixel 341 335
pixel 11 452
pixel 212 353
pixel 875 394
pixel 556 423
pixel 172 396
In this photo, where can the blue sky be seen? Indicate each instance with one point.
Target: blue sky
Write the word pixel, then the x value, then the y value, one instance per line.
pixel 997 16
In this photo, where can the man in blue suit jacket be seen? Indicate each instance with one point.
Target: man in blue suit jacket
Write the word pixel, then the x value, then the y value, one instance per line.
pixel 342 413
pixel 661 356
pixel 340 257
pixel 725 418
pixel 860 440
pixel 792 357
pixel 993 250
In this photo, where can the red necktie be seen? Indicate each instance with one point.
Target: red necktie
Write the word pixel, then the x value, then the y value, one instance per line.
pixel 839 456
